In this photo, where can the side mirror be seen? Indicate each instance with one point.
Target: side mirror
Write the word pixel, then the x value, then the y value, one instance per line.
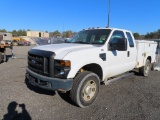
pixel 5 34
pixel 112 46
pixel 120 44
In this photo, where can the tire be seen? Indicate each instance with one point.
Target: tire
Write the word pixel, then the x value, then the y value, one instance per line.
pixel 144 71
pixel 1 57
pixel 15 43
pixel 85 89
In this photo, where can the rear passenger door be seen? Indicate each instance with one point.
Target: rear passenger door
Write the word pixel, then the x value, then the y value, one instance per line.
pixel 132 50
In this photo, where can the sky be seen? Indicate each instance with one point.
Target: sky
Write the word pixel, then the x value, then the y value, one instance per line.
pixel 140 16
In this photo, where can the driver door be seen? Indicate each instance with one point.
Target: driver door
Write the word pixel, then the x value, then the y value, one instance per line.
pixel 117 60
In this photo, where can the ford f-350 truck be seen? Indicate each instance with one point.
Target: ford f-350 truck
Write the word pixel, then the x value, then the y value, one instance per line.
pixel 89 58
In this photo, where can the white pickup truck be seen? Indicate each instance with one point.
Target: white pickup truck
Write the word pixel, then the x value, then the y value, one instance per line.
pixel 89 58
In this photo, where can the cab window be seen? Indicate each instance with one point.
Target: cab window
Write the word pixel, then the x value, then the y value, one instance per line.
pixel 130 39
pixel 115 36
pixel 117 41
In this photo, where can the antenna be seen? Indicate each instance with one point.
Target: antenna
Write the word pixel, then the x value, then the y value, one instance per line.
pixel 108 12
pixel 63 31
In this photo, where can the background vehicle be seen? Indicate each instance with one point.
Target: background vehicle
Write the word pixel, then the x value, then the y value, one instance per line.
pixel 17 40
pixel 5 42
pixel 89 58
pixel 26 43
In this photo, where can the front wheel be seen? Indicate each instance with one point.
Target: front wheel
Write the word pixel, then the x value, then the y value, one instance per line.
pixel 144 70
pixel 85 89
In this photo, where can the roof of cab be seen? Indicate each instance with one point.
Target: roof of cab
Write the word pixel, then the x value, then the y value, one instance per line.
pixel 108 28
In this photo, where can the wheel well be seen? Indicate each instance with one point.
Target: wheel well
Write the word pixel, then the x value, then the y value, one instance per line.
pixel 95 68
pixel 149 58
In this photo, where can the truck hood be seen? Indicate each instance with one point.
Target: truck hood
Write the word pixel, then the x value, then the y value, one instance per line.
pixel 64 48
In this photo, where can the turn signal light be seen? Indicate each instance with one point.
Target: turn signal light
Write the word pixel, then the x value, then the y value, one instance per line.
pixel 65 63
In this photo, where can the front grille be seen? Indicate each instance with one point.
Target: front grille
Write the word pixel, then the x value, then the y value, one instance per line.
pixel 38 64
pixel 41 62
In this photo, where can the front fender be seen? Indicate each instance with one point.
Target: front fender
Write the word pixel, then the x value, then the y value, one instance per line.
pixel 82 58
pixel 74 70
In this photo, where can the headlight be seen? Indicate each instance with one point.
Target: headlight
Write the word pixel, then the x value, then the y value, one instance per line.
pixel 61 68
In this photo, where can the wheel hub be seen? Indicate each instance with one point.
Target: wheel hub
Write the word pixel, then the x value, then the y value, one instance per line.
pixel 89 90
pixel 147 68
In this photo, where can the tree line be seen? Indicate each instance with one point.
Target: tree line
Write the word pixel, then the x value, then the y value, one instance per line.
pixel 56 33
pixel 64 34
pixel 19 32
pixel 149 35
pixel 70 33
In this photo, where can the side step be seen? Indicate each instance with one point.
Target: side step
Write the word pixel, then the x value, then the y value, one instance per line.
pixel 107 82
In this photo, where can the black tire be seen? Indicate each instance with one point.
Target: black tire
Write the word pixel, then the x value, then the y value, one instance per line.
pixel 1 57
pixel 145 70
pixel 85 89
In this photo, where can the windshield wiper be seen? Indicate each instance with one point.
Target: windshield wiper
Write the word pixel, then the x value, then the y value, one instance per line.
pixel 96 43
pixel 82 42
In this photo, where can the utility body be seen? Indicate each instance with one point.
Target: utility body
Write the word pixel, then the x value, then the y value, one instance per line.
pixel 87 59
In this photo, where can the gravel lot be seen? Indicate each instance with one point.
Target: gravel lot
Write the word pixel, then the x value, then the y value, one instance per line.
pixel 135 98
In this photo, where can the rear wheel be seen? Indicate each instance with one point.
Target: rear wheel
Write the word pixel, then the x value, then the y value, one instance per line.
pixel 145 69
pixel 85 89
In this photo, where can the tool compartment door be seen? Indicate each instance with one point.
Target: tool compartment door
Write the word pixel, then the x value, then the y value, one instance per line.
pixel 145 49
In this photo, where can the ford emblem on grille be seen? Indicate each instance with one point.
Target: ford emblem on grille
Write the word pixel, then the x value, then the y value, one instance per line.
pixel 33 61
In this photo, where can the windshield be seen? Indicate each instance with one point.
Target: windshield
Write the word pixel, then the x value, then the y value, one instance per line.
pixel 97 36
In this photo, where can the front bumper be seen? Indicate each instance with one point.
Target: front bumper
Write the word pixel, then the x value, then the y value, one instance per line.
pixel 49 83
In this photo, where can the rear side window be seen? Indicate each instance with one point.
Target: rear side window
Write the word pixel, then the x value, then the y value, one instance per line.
pixel 130 39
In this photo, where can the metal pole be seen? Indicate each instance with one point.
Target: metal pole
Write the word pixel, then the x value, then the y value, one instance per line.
pixel 63 31
pixel 108 12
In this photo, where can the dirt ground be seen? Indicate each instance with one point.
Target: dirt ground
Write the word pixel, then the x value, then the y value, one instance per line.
pixel 134 98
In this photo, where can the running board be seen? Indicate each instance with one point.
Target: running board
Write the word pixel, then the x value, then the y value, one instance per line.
pixel 107 82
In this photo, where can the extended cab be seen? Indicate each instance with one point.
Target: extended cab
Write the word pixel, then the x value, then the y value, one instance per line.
pixel 87 59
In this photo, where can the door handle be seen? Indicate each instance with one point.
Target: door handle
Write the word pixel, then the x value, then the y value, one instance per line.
pixel 128 53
